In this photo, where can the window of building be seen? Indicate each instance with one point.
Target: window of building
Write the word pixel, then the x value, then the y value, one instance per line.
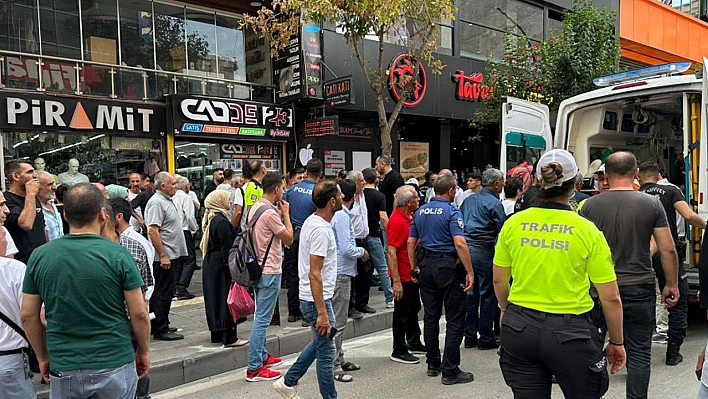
pixel 231 48
pixel 201 42
pixel 170 37
pixel 443 37
pixel 136 34
pixel 555 22
pixel 61 35
pixel 100 28
pixel 19 26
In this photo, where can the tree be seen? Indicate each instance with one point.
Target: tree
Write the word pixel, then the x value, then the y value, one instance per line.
pixel 559 68
pixel 360 20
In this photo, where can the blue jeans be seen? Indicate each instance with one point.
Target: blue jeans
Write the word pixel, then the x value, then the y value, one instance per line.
pixel 266 291
pixel 378 259
pixel 320 348
pixel 481 301
pixel 117 383
pixel 702 391
pixel 639 312
pixel 13 381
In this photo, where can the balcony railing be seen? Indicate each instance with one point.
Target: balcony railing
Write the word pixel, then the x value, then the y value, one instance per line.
pixel 63 75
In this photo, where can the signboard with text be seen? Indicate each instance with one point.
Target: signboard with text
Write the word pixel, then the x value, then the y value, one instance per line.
pixel 338 92
pixel 327 126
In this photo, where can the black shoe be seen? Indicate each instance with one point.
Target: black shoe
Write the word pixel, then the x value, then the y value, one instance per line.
pixel 462 377
pixel 304 324
pixel 484 347
pixel 406 358
pixel 197 267
pixel 366 309
pixel 184 295
pixel 172 329
pixel 433 371
pixel 293 319
pixel 355 314
pixel 417 348
pixel 275 322
pixel 168 336
pixel 673 356
pixel 471 342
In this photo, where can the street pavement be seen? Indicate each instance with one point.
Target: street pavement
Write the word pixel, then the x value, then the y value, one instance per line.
pixel 382 378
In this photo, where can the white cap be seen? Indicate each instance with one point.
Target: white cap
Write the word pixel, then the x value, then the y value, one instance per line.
pixel 563 157
pixel 601 169
pixel 413 180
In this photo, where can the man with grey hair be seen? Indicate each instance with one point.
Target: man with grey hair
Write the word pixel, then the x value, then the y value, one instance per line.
pixel 46 195
pixel 406 332
pixel 166 234
pixel 483 217
pixel 459 193
pixel 185 207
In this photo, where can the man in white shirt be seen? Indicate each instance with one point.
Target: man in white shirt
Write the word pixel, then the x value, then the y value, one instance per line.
pixel 11 247
pixel 317 265
pixel 134 180
pixel 459 194
pixel 236 197
pixel 185 207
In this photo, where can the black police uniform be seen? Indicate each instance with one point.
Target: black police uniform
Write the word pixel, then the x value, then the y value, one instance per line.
pixel 442 281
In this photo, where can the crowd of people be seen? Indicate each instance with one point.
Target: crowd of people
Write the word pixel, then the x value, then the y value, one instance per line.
pixel 560 284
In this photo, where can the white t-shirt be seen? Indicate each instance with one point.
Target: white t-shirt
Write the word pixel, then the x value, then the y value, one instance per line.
pixel 133 221
pixel 508 206
pixel 194 197
pixel 317 238
pixel 12 274
pixel 11 247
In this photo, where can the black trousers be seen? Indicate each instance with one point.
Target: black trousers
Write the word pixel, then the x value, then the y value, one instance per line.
pixel 361 286
pixel 405 319
pixel 161 300
pixel 536 346
pixel 678 314
pixel 442 283
pixel 184 273
pixel 292 279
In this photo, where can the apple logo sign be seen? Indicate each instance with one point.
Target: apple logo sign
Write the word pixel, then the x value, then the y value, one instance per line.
pixel 306 154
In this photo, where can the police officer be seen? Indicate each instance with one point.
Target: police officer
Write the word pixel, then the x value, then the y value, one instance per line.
pixel 443 281
pixel 553 254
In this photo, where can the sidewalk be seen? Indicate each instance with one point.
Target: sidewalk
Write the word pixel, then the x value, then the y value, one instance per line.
pixel 178 362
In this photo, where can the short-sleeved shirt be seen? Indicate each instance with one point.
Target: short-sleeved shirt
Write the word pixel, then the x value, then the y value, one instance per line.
pixel 236 197
pixel 301 204
pixel 375 203
pixel 553 254
pixel 252 193
pixel 398 228
pixel 668 195
pixel 347 251
pixel 137 251
pixel 81 279
pixel 269 225
pixel 53 221
pixel 388 186
pixel 11 247
pixel 12 273
pixel 317 238
pixel 436 223
pixel 627 219
pixel 26 241
pixel 163 213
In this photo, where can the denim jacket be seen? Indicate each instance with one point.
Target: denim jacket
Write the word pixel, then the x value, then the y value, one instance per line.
pixel 484 217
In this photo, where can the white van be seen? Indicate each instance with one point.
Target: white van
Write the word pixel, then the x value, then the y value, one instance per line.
pixel 647 111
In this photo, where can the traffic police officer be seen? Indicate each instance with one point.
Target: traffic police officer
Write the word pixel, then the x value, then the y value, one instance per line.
pixel 443 281
pixel 553 254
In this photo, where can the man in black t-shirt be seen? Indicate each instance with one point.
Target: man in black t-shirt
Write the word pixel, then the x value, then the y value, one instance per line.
pixel 391 180
pixel 26 220
pixel 673 201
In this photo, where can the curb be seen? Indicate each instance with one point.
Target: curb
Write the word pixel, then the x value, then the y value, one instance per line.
pixel 178 371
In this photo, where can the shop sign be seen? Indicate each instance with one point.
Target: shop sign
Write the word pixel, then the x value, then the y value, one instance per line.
pixel 287 72
pixel 469 88
pixel 327 126
pixel 414 160
pixel 334 161
pixel 52 113
pixel 312 59
pixel 232 117
pixel 132 143
pixel 356 130
pixel 404 81
pixel 338 92
pixel 254 151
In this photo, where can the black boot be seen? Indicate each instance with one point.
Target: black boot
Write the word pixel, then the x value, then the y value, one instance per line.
pixel 673 356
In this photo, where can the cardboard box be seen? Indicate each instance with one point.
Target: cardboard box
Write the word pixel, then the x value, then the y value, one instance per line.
pixel 100 49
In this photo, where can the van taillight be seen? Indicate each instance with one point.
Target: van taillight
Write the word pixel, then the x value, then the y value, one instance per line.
pixel 628 85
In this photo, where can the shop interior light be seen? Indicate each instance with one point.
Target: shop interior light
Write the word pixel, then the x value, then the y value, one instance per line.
pixel 655 71
pixel 256 4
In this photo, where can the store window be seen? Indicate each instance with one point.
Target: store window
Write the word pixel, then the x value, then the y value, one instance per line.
pixel 61 35
pixel 102 158
pixel 100 29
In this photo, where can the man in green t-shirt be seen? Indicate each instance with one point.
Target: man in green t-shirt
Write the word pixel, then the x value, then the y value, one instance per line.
pixel 85 282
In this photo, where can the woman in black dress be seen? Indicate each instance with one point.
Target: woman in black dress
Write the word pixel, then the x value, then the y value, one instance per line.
pixel 219 235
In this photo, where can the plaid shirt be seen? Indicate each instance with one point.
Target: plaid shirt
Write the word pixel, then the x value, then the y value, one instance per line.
pixel 141 259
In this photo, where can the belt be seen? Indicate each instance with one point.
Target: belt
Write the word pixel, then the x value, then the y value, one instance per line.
pixel 13 351
pixel 433 254
pixel 522 309
pixel 482 248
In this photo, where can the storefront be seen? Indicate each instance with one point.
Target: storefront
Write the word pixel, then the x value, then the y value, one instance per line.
pixel 225 133
pixel 109 139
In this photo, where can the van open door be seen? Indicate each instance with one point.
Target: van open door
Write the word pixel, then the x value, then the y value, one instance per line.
pixel 702 140
pixel 525 134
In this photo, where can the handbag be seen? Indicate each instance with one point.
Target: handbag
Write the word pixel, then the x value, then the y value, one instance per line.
pixel 240 302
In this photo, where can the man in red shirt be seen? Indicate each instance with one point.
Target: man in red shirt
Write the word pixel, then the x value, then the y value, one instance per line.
pixel 406 332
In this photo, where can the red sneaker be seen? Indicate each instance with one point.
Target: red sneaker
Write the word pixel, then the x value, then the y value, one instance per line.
pixel 272 361
pixel 262 374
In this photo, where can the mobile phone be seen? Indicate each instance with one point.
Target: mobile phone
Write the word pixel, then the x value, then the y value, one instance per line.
pixel 415 274
pixel 699 374
pixel 332 332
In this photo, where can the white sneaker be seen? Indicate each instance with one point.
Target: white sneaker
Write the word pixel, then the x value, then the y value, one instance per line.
pixel 284 390
pixel 389 305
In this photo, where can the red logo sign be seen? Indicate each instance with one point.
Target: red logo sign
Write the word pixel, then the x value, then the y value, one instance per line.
pixel 402 80
pixel 469 88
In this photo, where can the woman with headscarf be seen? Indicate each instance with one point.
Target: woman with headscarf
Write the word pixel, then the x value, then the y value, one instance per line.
pixel 219 235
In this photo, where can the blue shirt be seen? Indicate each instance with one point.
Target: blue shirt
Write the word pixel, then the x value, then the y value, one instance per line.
pixel 301 204
pixel 347 251
pixel 53 222
pixel 484 217
pixel 436 223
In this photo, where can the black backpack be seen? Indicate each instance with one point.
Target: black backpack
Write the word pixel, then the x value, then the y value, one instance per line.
pixel 243 262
